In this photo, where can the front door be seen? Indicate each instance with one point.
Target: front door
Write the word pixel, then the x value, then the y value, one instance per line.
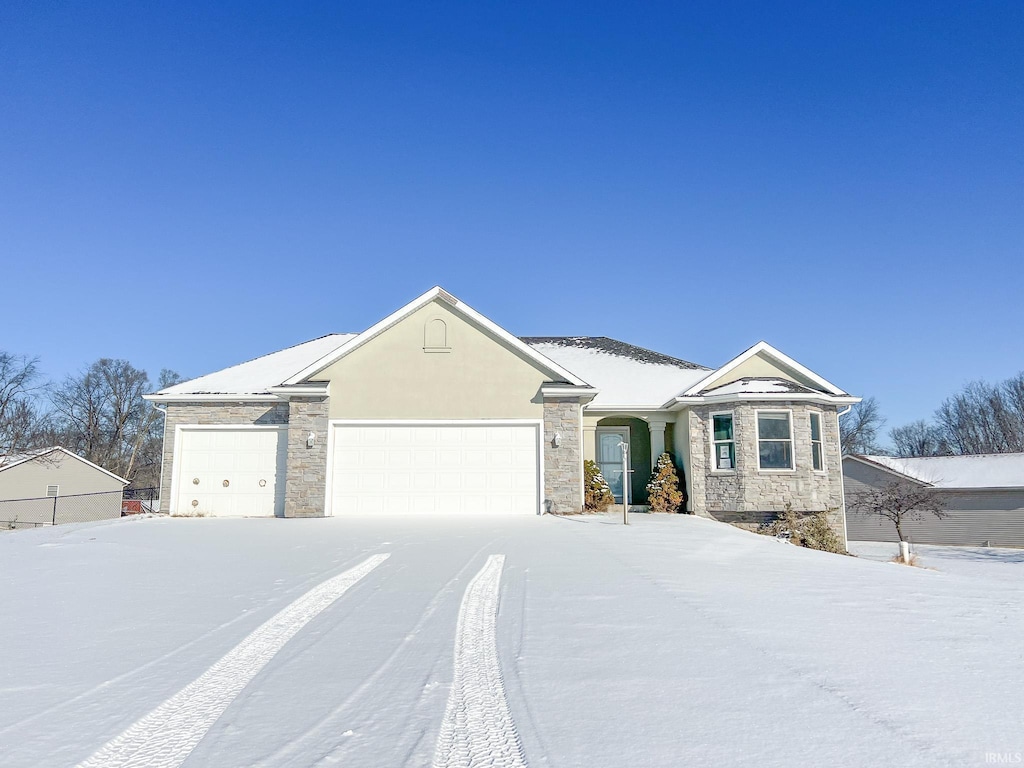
pixel 609 457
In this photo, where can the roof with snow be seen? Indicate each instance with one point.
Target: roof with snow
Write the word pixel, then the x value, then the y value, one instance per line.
pixel 754 385
pixel 12 460
pixel 626 376
pixel 256 377
pixel 991 470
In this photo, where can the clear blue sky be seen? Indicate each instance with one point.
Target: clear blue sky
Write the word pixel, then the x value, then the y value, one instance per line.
pixel 191 185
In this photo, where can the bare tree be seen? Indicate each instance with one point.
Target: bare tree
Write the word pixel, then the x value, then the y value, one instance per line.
pixel 919 438
pixel 898 502
pixel 20 420
pixel 101 413
pixel 858 429
pixel 984 418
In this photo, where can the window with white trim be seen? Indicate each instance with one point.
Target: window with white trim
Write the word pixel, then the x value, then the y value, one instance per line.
pixel 723 442
pixel 52 490
pixel 774 440
pixel 817 451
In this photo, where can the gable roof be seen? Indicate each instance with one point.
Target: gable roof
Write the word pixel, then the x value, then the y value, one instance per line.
pixel 627 377
pixel 257 376
pixel 767 350
pixel 992 470
pixel 557 372
pixel 13 460
pixel 760 385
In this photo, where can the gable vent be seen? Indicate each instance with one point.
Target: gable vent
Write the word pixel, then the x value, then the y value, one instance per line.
pixel 52 490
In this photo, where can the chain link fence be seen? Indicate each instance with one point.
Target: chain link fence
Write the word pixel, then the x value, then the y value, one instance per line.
pixel 76 508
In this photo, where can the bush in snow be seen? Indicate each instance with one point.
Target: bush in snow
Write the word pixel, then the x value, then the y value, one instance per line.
pixel 663 492
pixel 809 530
pixel 597 496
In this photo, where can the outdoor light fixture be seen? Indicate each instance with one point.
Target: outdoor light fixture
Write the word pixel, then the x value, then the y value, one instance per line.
pixel 557 440
pixel 311 440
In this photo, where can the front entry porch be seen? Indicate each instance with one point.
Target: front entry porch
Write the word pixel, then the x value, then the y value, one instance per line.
pixel 647 440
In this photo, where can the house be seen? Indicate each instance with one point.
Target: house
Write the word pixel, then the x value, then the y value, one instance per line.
pixel 54 485
pixel 983 497
pixel 437 408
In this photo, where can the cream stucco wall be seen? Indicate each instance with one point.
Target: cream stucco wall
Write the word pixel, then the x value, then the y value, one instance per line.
pixel 392 376
pixel 761 366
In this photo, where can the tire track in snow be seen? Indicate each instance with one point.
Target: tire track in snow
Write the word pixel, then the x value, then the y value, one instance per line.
pixel 165 737
pixel 478 729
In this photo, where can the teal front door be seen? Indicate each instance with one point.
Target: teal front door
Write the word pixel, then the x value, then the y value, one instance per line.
pixel 609 457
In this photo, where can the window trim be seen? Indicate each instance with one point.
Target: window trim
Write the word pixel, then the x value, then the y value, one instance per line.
pixel 714 444
pixel 792 443
pixel 820 442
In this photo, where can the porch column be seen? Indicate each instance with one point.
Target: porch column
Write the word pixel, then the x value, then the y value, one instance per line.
pixel 657 441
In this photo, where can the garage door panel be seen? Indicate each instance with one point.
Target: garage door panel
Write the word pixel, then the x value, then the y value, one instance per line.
pixel 432 468
pixel 229 465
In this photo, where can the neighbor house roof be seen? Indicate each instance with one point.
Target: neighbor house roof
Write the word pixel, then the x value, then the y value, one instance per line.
pixel 991 470
pixel 627 376
pixel 13 460
pixel 257 377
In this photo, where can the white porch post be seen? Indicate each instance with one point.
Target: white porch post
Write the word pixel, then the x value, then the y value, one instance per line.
pixel 657 441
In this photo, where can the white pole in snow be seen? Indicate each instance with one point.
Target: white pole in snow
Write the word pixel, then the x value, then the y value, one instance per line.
pixel 625 480
pixel 904 552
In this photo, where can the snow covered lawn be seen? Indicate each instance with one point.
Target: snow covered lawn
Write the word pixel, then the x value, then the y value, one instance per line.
pixel 673 642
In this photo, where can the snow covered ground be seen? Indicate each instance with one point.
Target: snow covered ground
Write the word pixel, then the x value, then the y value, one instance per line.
pixel 673 642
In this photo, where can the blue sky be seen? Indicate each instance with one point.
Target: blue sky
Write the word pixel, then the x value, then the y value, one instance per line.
pixel 191 185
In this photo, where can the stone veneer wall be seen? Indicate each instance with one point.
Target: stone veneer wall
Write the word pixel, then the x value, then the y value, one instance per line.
pixel 563 466
pixel 210 413
pixel 306 477
pixel 750 495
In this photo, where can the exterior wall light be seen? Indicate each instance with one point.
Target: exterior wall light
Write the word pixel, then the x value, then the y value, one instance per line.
pixel 557 439
pixel 311 440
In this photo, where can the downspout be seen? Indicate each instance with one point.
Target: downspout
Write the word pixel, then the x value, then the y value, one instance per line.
pixel 842 480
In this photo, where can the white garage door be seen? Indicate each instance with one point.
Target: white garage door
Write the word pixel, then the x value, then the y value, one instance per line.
pixel 474 469
pixel 231 472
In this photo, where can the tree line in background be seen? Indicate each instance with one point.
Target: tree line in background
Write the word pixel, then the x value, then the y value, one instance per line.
pixel 981 418
pixel 98 414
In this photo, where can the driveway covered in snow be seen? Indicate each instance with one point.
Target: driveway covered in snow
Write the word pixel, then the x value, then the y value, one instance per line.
pixel 675 641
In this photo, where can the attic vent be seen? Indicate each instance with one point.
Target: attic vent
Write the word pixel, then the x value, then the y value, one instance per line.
pixel 435 336
pixel 52 490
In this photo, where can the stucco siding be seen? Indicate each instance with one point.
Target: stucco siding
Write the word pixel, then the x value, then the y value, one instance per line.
pixel 400 375
pixel 760 366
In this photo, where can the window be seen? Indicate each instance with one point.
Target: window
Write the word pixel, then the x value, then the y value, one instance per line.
pixel 774 440
pixel 723 444
pixel 817 456
pixel 52 490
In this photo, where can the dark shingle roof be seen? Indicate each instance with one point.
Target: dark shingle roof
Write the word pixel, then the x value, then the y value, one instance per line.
pixel 613 347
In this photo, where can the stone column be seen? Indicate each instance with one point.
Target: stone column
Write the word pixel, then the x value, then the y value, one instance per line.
pixel 306 481
pixel 657 429
pixel 563 463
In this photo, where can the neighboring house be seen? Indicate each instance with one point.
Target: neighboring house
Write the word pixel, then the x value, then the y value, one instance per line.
pixel 55 485
pixel 983 496
pixel 436 408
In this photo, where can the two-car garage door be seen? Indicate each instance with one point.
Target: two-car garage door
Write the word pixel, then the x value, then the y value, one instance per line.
pixel 473 468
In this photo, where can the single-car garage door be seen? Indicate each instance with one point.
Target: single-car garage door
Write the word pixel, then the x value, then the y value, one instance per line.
pixel 231 472
pixel 469 468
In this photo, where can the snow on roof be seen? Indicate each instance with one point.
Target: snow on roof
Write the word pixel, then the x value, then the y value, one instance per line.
pixel 992 470
pixel 255 377
pixel 626 375
pixel 758 385
pixel 14 459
